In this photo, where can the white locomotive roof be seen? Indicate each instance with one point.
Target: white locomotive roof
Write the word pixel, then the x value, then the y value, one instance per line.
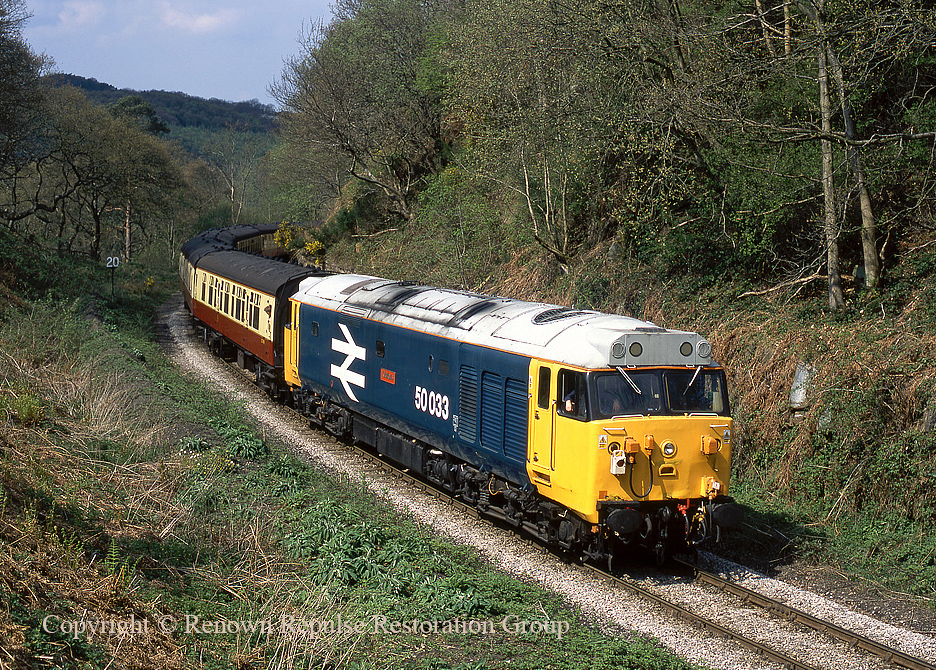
pixel 581 338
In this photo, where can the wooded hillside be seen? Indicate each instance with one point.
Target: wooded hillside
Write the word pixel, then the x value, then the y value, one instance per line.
pixel 762 173
pixel 179 109
pixel 771 141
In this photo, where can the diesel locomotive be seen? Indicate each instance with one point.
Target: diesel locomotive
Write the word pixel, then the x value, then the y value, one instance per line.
pixel 597 433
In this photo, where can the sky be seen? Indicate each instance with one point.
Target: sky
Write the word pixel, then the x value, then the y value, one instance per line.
pixel 228 49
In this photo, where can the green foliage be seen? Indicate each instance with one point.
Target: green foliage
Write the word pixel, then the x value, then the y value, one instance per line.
pixel 287 467
pixel 22 402
pixel 459 237
pixel 348 550
pixel 193 445
pixel 118 566
pixel 240 442
pixel 372 50
pixel 136 111
pixel 36 275
pixel 361 216
pixel 55 647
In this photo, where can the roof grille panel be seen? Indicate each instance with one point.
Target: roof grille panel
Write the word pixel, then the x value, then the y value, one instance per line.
pixel 555 314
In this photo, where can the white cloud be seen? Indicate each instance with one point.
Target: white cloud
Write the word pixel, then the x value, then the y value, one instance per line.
pixel 194 23
pixel 81 14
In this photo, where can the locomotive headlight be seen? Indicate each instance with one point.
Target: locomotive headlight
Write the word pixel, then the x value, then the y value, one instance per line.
pixel 686 349
pixel 635 349
pixel 704 349
pixel 668 448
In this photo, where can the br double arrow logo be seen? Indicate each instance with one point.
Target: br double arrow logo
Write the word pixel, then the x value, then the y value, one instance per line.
pixel 352 353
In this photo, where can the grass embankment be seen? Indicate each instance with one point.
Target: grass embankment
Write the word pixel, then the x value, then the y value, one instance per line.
pixel 134 500
pixel 851 481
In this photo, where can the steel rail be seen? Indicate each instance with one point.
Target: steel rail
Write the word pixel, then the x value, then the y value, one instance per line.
pixel 748 596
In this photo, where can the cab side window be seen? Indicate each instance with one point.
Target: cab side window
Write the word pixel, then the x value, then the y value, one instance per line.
pixel 542 399
pixel 571 396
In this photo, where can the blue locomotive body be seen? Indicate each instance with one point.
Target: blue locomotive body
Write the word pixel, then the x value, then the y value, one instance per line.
pixel 466 400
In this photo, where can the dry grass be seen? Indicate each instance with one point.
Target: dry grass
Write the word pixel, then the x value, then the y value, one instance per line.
pixel 50 567
pixel 101 473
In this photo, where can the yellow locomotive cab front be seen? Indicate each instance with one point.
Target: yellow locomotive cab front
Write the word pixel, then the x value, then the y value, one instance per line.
pixel 632 439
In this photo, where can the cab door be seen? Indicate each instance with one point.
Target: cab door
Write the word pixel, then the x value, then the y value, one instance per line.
pixel 541 453
pixel 291 345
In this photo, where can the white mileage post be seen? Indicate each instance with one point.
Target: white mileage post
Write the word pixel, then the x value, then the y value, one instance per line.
pixel 113 262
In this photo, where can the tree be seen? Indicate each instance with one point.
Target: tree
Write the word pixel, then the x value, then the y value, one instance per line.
pixel 138 112
pixel 358 94
pixel 830 213
pixel 234 156
pixel 103 175
pixel 746 101
pixel 526 92
pixel 20 107
pixel 571 105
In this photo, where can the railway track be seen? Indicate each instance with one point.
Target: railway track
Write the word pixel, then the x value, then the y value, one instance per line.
pixel 747 597
pixel 889 655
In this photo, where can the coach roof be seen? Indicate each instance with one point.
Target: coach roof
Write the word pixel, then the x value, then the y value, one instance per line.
pixel 262 274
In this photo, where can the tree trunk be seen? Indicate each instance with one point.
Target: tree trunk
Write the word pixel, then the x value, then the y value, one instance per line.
pixel 872 265
pixel 836 297
pixel 127 234
pixel 765 27
pixel 96 239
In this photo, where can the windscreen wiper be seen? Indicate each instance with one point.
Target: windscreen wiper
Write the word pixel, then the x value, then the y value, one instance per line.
pixel 631 381
pixel 692 381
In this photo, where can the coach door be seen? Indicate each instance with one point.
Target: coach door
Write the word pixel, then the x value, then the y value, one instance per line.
pixel 541 455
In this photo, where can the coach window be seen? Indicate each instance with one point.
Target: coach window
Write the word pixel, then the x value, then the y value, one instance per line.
pixel 381 349
pixel 255 312
pixel 571 397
